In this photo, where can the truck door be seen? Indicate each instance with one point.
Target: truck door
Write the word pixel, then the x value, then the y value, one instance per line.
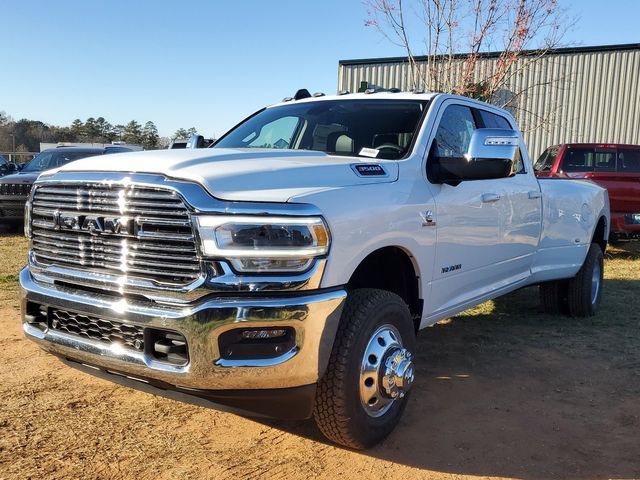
pixel 468 253
pixel 521 220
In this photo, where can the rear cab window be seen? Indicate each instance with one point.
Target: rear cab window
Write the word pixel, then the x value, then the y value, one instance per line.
pixel 628 160
pixel 589 159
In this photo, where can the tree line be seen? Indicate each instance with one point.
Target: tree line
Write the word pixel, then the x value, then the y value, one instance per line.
pixel 26 135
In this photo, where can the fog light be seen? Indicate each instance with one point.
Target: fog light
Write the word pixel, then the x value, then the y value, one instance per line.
pixel 166 346
pixel 256 343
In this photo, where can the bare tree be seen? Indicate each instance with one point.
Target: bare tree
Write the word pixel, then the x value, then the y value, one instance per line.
pixel 473 28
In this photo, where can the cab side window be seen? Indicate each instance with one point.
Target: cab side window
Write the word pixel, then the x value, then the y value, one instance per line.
pixel 454 132
pixel 491 120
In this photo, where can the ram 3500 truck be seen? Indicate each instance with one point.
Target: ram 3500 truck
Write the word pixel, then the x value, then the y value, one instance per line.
pixel 286 270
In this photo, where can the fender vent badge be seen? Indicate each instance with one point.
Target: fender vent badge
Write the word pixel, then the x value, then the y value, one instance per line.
pixel 369 170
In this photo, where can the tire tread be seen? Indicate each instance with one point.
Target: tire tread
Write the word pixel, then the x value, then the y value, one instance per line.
pixel 579 287
pixel 331 408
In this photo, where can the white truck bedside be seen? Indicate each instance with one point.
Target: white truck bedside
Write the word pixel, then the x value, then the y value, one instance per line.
pixel 286 270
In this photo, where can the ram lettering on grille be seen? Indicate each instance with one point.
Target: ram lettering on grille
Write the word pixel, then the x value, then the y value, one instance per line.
pixel 140 232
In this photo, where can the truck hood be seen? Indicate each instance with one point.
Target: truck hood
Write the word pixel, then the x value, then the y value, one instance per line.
pixel 20 177
pixel 263 175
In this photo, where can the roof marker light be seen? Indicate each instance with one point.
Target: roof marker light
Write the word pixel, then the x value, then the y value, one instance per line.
pixel 302 93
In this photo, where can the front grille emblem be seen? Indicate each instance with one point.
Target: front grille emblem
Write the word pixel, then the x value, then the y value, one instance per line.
pixel 95 225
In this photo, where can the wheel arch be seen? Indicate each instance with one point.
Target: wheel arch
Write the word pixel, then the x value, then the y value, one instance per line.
pixel 392 268
pixel 601 233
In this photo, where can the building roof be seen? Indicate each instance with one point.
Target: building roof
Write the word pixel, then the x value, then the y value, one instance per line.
pixel 555 51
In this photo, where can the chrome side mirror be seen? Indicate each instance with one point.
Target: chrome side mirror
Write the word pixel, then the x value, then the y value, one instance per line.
pixel 494 144
pixel 490 155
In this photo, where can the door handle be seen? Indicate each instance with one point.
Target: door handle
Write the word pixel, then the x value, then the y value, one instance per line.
pixel 490 197
pixel 535 194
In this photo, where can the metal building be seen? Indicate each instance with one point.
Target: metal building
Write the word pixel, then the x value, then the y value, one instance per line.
pixel 589 94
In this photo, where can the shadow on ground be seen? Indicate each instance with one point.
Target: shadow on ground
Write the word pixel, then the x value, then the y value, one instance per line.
pixel 502 390
pixel 515 393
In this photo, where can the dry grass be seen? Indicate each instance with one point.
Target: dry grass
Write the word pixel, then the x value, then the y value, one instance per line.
pixel 502 391
pixel 13 255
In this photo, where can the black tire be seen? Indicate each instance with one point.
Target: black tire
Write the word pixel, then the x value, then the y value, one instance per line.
pixel 339 413
pixel 582 300
pixel 553 297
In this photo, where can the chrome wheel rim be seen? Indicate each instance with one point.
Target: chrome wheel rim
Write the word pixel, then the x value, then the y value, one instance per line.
pixel 386 371
pixel 595 282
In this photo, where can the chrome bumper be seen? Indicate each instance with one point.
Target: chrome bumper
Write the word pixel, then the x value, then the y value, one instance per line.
pixel 313 316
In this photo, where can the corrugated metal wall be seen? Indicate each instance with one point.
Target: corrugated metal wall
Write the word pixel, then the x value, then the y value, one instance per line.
pixel 581 96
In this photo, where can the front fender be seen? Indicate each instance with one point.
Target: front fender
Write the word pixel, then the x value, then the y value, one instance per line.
pixel 366 218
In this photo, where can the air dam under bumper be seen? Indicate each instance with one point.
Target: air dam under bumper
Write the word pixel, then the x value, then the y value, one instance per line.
pixel 313 316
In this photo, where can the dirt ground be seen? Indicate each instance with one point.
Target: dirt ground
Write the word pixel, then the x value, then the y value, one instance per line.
pixel 501 391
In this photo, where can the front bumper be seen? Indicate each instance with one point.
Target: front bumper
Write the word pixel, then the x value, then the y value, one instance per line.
pixel 313 315
pixel 622 226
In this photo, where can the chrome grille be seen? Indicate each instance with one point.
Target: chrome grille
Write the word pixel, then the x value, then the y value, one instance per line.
pixel 106 331
pixel 137 231
pixel 15 189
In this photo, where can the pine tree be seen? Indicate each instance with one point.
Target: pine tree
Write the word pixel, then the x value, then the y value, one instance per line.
pixel 77 129
pixel 118 131
pixel 104 129
pixel 181 133
pixel 150 136
pixel 91 129
pixel 132 133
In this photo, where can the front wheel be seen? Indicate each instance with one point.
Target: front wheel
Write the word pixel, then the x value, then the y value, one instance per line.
pixel 364 391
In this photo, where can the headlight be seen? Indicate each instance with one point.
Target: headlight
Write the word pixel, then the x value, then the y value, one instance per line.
pixel 264 243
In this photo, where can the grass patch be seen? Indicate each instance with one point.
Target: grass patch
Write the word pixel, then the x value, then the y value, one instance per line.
pixel 9 278
pixel 13 253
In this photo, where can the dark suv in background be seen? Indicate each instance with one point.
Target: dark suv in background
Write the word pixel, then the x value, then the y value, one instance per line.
pixel 6 167
pixel 15 188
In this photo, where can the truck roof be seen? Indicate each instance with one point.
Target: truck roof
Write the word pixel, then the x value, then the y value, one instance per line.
pixel 364 96
pixel 386 95
pixel 598 145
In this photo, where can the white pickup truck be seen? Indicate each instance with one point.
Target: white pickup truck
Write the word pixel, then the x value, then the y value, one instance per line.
pixel 286 270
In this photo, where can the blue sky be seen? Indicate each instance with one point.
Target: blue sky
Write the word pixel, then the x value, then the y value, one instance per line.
pixel 206 64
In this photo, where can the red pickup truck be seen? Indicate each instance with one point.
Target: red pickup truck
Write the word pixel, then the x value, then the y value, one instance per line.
pixel 613 166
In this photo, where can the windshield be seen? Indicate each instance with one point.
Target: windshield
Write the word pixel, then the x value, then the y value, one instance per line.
pixel 55 158
pixel 369 128
pixel 546 160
